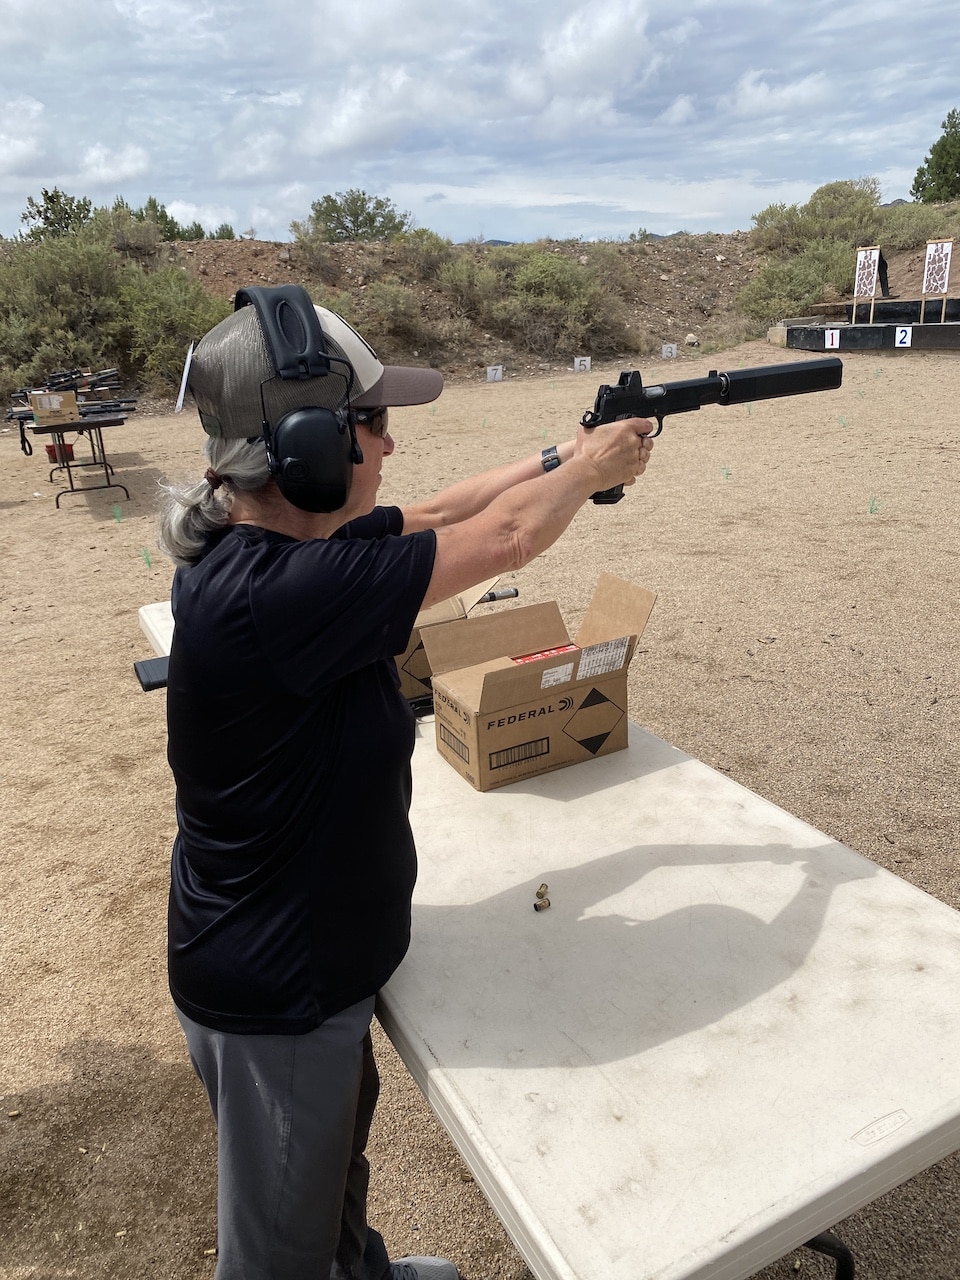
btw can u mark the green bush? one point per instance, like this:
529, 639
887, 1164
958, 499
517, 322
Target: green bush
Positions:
59, 308
164, 311
472, 284
607, 260
910, 226
507, 259
554, 326
541, 297
420, 254
73, 301
797, 287
847, 211
550, 276
393, 311
136, 239
812, 246
316, 260
778, 229
341, 301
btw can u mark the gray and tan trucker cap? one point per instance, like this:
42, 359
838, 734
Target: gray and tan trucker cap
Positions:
232, 362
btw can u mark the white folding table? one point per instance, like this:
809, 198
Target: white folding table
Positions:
726, 1033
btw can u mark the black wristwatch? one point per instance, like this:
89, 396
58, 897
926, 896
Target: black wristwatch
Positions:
550, 458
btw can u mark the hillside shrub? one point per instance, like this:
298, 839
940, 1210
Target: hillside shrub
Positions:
392, 311
812, 247
910, 226
797, 287
609, 259
163, 312
420, 254
75, 302
549, 276
473, 286
316, 260
847, 211
542, 298
59, 308
553, 325
135, 239
341, 301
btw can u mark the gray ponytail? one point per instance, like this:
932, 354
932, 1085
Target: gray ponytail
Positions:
189, 513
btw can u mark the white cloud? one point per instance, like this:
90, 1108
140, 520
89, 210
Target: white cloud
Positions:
20, 143
680, 111
289, 204
210, 217
600, 45
168, 26
754, 96
560, 116
253, 155
101, 166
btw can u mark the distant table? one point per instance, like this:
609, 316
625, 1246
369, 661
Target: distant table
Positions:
725, 1034
91, 425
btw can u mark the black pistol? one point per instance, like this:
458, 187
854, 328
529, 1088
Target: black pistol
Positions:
631, 399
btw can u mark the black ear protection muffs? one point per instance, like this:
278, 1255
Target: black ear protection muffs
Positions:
312, 450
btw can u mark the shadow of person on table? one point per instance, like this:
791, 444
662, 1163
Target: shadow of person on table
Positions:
630, 979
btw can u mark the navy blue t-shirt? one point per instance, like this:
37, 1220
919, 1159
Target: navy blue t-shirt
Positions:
290, 744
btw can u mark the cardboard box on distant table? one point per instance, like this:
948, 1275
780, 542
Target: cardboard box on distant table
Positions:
54, 408
499, 720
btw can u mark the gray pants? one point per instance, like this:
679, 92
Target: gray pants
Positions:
293, 1115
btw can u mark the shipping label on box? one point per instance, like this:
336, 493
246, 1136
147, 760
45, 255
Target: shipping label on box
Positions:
54, 408
500, 720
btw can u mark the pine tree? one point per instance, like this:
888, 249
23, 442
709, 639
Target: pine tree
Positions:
938, 178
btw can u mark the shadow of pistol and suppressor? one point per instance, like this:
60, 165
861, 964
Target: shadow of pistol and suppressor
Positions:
631, 399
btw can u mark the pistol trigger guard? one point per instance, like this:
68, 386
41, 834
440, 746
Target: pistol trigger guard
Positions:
652, 435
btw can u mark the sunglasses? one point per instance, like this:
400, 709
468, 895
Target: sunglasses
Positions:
375, 420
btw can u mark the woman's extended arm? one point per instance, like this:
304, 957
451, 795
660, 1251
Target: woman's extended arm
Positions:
467, 498
528, 516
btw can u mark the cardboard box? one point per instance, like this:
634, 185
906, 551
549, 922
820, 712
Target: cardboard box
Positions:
499, 721
54, 408
412, 663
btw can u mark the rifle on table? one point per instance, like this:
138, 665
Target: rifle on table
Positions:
631, 399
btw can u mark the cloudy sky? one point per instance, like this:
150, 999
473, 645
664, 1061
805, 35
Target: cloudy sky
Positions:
510, 119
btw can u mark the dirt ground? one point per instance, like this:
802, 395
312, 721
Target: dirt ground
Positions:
804, 642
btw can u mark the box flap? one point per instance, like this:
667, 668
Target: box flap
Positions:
442, 611
618, 608
466, 684
457, 606
468, 641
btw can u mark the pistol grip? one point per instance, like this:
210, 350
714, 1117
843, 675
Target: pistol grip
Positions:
606, 497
